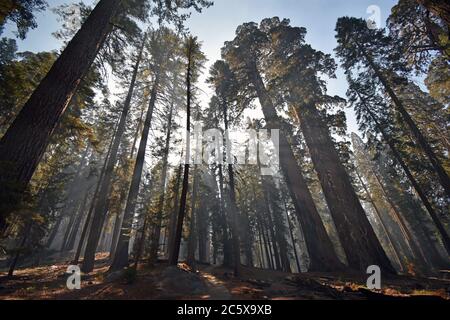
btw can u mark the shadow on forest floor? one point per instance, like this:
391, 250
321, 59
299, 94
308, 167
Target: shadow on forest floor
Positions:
212, 282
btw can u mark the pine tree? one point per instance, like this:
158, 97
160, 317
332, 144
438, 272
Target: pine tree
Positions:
358, 44
242, 54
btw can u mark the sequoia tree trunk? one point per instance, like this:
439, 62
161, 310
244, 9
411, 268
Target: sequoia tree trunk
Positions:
360, 244
320, 248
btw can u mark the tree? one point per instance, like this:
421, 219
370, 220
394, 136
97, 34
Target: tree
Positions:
21, 12
419, 33
22, 146
399, 211
291, 62
194, 61
101, 205
173, 92
439, 7
222, 78
193, 234
242, 55
25, 141
20, 73
358, 44
370, 112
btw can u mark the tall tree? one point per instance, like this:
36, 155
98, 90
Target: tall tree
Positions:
194, 61
121, 256
243, 54
291, 62
420, 33
162, 47
222, 79
23, 145
440, 8
101, 205
369, 109
357, 45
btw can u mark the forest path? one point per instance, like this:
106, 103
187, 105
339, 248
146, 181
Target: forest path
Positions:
216, 287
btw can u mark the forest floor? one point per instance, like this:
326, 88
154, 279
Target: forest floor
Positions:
211, 282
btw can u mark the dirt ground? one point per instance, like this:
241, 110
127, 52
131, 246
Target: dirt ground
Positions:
210, 282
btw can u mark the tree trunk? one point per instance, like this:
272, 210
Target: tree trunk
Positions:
202, 230
123, 193
87, 222
68, 230
22, 146
282, 243
265, 245
268, 211
174, 253
420, 138
192, 240
121, 257
154, 246
76, 226
101, 205
13, 264
391, 242
320, 248
141, 241
247, 236
358, 239
263, 236
74, 198
290, 227
406, 232
173, 216
440, 227
54, 231
233, 210
227, 254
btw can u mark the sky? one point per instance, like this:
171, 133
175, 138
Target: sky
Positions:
218, 23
